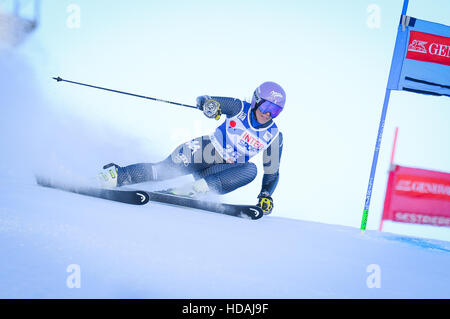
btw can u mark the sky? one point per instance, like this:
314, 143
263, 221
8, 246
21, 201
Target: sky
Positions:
332, 58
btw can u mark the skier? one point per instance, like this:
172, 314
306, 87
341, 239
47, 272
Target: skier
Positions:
220, 161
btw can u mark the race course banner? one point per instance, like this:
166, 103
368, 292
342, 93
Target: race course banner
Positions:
417, 196
420, 64
421, 61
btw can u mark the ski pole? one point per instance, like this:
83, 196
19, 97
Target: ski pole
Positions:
58, 79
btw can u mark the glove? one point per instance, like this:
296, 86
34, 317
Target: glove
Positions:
201, 100
210, 107
265, 202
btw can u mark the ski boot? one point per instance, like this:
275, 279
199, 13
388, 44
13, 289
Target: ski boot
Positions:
108, 176
191, 190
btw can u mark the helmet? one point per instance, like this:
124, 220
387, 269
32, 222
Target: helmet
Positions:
269, 97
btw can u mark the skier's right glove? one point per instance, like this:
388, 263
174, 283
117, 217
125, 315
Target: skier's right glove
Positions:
201, 100
210, 107
265, 202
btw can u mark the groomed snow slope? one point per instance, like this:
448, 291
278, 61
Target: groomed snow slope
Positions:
158, 251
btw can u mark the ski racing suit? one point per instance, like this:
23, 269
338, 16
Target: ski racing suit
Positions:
221, 158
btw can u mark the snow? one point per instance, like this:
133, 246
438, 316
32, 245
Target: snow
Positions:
157, 251
160, 251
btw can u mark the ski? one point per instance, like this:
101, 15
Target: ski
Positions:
134, 197
138, 197
246, 211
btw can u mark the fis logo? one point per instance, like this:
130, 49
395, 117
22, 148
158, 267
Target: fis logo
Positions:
242, 116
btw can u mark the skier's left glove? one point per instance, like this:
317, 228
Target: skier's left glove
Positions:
265, 202
209, 106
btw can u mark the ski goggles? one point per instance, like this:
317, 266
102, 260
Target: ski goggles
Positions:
273, 109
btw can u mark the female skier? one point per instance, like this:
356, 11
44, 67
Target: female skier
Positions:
219, 162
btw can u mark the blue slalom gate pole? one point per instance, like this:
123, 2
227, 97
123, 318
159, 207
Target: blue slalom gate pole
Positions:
405, 6
377, 146
375, 160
